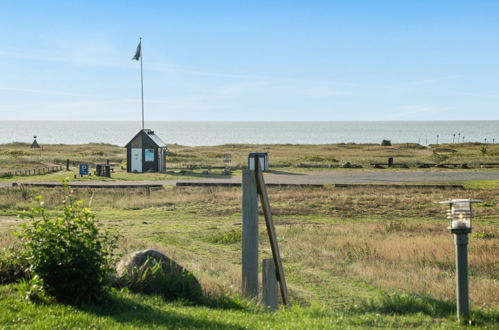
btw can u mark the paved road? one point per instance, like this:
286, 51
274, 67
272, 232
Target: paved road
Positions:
324, 177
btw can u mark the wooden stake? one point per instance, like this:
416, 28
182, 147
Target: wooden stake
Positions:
264, 199
269, 284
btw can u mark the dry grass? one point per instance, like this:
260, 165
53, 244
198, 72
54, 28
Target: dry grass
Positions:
392, 203
416, 258
19, 155
393, 239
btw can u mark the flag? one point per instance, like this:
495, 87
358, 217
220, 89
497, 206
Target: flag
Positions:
138, 52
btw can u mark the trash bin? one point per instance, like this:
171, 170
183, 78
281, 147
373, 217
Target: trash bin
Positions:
98, 170
107, 171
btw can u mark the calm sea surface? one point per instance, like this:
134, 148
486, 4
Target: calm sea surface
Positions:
214, 133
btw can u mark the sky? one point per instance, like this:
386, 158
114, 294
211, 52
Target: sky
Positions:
250, 60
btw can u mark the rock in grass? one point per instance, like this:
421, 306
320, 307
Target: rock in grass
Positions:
152, 272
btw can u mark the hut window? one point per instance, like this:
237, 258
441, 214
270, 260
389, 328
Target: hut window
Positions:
149, 155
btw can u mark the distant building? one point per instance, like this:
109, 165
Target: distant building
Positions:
146, 152
35, 144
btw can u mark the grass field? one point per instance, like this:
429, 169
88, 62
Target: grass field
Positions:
287, 157
353, 257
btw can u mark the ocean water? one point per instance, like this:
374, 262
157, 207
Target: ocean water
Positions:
215, 133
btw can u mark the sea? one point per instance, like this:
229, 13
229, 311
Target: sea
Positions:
206, 133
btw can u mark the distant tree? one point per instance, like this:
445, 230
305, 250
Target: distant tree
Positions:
386, 143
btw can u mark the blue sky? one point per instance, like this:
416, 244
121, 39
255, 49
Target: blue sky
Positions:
250, 60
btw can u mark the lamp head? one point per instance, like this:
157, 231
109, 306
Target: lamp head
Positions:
460, 214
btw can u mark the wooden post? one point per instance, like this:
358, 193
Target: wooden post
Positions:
250, 236
67, 164
267, 212
269, 284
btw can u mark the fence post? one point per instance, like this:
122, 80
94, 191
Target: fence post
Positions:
250, 236
67, 164
269, 284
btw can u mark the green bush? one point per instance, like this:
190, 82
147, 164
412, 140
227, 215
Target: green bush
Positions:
386, 143
69, 254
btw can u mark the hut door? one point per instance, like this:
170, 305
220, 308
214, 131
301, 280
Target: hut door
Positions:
137, 160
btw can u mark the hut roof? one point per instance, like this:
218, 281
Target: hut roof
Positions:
35, 145
149, 134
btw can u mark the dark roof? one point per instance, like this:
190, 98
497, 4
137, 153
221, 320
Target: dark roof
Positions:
259, 154
150, 134
35, 145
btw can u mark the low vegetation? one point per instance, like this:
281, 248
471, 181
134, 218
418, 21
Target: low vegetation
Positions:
354, 257
68, 256
15, 156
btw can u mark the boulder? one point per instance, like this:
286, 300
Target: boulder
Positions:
137, 259
139, 271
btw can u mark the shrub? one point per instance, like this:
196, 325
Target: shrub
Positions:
69, 254
439, 158
386, 143
13, 265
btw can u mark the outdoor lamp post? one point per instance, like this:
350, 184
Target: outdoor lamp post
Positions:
460, 215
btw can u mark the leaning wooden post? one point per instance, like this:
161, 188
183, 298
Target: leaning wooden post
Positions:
250, 236
267, 212
269, 284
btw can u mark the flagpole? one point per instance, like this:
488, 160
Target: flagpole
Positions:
142, 82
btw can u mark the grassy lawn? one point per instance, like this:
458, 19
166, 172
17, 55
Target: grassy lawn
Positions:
353, 257
131, 311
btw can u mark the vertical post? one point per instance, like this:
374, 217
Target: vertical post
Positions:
269, 284
462, 275
250, 236
142, 82
67, 164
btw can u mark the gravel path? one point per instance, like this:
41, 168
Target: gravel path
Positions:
319, 177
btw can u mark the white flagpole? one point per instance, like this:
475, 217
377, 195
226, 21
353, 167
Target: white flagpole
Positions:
142, 82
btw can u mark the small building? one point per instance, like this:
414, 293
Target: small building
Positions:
146, 152
35, 144
263, 157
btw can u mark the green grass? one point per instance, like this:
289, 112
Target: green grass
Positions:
132, 311
488, 184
